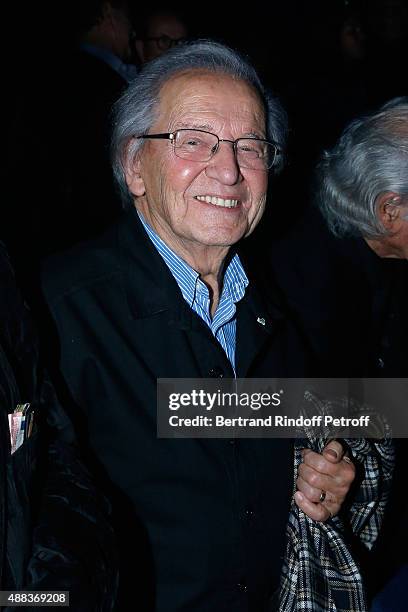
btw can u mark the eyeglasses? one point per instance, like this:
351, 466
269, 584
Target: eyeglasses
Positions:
165, 42
201, 146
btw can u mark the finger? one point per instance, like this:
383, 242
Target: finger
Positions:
314, 495
319, 463
333, 451
311, 493
337, 486
317, 512
343, 473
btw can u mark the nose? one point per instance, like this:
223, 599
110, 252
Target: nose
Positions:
223, 165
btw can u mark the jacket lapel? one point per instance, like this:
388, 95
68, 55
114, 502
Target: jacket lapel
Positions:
149, 286
257, 324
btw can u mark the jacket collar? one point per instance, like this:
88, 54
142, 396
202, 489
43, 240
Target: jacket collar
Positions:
152, 289
149, 285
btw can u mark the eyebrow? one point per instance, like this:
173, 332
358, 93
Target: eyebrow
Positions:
196, 126
209, 128
254, 135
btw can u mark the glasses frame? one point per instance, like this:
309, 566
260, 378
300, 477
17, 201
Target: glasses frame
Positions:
172, 137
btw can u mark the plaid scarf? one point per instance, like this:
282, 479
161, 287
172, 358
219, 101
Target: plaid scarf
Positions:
319, 573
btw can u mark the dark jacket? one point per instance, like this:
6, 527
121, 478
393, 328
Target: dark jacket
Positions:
206, 518
53, 523
350, 303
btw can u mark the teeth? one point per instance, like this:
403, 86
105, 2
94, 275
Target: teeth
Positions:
218, 201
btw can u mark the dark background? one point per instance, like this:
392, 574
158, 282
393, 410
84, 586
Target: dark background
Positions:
295, 45
278, 36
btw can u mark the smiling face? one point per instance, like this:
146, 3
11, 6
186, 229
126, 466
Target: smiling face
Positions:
193, 205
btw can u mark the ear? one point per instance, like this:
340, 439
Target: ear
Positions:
134, 178
389, 210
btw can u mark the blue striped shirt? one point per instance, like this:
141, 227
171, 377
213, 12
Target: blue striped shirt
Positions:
223, 325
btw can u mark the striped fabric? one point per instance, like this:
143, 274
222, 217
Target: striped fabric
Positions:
196, 294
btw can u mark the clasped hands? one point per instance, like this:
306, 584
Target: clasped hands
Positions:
324, 479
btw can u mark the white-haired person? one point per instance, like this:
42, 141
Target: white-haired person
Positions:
363, 195
364, 181
165, 293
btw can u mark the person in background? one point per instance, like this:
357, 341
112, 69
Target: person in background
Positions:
363, 195
348, 290
364, 181
105, 32
54, 529
68, 108
156, 32
96, 76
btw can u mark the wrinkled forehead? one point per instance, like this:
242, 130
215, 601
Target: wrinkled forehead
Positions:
198, 93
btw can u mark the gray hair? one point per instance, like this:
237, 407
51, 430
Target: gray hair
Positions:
370, 158
136, 110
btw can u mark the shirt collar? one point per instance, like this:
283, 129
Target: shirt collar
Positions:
235, 279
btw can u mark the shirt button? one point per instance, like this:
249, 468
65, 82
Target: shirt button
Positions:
242, 587
216, 372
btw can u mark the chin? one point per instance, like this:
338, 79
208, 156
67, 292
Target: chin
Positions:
226, 239
222, 235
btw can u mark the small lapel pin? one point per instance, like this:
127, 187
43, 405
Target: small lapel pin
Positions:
261, 320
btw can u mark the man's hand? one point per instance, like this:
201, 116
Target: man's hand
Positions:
324, 481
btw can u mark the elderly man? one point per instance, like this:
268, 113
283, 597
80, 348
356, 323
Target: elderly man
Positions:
349, 291
364, 195
165, 294
364, 181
